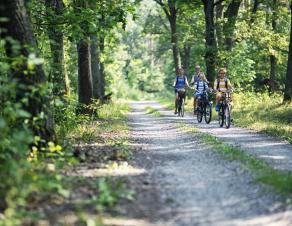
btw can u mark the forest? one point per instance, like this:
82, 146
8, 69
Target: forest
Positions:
70, 68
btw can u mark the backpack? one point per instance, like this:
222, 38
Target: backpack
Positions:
204, 86
177, 79
226, 85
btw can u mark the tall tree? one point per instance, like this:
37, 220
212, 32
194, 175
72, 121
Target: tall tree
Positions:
219, 21
185, 58
55, 10
85, 87
211, 44
171, 10
95, 67
288, 84
19, 28
229, 27
101, 85
273, 59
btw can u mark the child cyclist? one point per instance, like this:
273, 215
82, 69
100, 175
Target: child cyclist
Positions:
221, 86
201, 88
196, 77
180, 83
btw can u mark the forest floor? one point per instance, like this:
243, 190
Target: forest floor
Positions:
181, 179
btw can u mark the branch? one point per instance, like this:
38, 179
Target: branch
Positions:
164, 25
218, 2
159, 2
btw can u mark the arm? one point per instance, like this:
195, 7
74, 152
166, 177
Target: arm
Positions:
215, 85
193, 80
174, 82
229, 85
187, 83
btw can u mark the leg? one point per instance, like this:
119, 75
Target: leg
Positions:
175, 102
218, 99
195, 104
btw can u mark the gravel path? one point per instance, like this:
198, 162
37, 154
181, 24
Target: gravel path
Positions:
186, 183
277, 153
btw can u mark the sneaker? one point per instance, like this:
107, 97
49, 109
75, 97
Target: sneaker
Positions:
175, 112
217, 107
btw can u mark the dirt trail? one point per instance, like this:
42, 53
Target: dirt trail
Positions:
184, 182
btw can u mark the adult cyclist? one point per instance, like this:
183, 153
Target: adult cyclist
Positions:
221, 85
180, 83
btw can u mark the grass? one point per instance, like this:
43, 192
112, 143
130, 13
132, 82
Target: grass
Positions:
263, 113
281, 182
152, 111
110, 128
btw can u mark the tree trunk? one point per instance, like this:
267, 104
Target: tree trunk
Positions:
84, 75
219, 26
273, 59
102, 72
174, 41
170, 11
254, 10
288, 83
229, 27
19, 28
211, 45
57, 47
95, 68
185, 56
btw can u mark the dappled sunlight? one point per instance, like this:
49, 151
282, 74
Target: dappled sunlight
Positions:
120, 221
273, 156
114, 170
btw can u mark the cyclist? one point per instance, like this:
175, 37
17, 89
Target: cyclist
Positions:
196, 77
201, 88
180, 83
221, 85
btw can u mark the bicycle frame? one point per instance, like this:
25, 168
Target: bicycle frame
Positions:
223, 115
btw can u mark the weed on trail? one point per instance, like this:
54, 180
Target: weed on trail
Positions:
281, 182
152, 111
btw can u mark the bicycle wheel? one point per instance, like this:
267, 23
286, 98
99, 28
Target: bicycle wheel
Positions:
227, 116
208, 113
221, 116
179, 107
200, 114
182, 113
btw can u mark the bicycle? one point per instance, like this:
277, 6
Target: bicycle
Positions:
204, 108
181, 102
224, 114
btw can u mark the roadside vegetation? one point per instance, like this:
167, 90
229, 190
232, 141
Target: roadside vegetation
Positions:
65, 66
263, 112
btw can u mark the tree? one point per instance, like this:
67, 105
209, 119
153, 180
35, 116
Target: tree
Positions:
211, 44
273, 59
85, 87
229, 27
288, 84
55, 10
171, 10
30, 81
